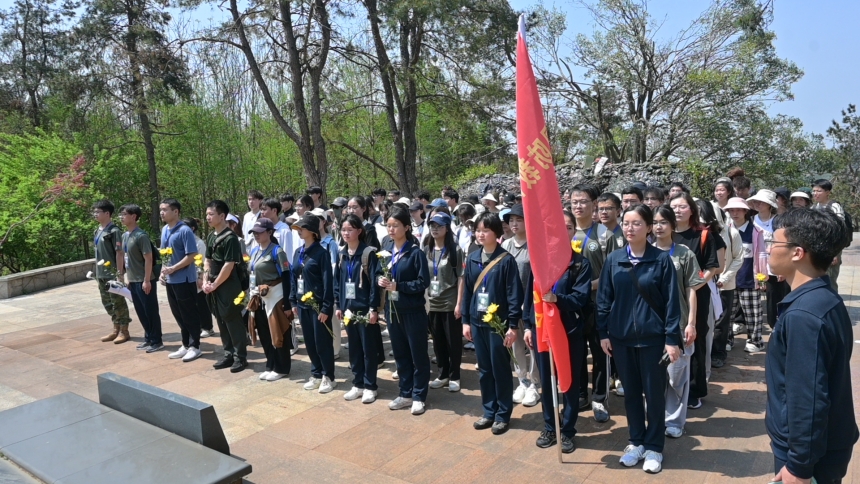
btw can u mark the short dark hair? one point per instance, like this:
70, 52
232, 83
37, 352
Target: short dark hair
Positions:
379, 192
422, 194
492, 222
274, 204
220, 207
609, 197
286, 197
132, 209
655, 192
256, 194
819, 232
822, 184
395, 192
631, 190
104, 206
314, 191
680, 185
172, 203
589, 190
452, 194
741, 182
307, 202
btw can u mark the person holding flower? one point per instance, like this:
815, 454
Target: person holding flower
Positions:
491, 277
268, 282
405, 280
108, 248
638, 314
572, 295
222, 284
357, 297
312, 300
206, 327
752, 275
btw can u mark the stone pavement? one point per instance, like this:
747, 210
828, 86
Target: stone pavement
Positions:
49, 343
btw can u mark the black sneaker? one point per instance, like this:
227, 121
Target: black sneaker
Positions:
238, 366
694, 404
546, 439
225, 362
715, 363
500, 427
155, 347
584, 404
482, 423
142, 346
567, 445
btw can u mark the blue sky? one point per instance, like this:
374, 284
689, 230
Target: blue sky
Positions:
816, 35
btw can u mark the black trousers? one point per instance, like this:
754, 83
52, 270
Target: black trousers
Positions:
591, 339
776, 292
204, 312
318, 342
698, 362
146, 307
182, 298
447, 343
723, 327
576, 347
363, 354
641, 374
277, 359
830, 469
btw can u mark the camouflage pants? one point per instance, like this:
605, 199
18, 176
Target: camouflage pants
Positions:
114, 304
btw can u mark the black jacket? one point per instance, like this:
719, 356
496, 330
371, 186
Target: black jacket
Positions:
503, 285
412, 277
317, 276
367, 291
573, 291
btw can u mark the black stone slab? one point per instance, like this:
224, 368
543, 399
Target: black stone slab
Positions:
168, 460
27, 421
186, 417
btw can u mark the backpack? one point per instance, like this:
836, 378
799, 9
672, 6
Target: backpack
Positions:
365, 260
849, 224
241, 267
275, 248
156, 260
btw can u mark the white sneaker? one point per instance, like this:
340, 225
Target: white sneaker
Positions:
738, 328
384, 333
674, 432
353, 393
178, 353
395, 375
729, 347
454, 386
369, 396
192, 354
274, 376
312, 384
437, 383
204, 333
752, 348
520, 393
653, 462
632, 455
399, 403
264, 375
327, 385
532, 396
337, 356
417, 407
294, 351
619, 389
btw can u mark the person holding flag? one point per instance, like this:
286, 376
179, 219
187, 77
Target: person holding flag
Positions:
572, 295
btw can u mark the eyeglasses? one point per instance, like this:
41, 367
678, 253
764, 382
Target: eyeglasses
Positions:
770, 243
606, 209
579, 203
632, 224
662, 223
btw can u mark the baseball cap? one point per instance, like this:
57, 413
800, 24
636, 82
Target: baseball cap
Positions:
262, 225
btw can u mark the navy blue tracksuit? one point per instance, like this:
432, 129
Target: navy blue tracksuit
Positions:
638, 334
573, 292
363, 346
810, 410
313, 265
407, 321
504, 287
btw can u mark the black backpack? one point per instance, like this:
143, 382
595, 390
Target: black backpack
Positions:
849, 224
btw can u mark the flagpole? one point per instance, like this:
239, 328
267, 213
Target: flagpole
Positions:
555, 406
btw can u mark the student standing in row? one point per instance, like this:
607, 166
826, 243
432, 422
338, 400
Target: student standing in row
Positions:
203, 311
355, 290
638, 314
405, 313
445, 296
223, 285
311, 273
180, 276
140, 261
108, 248
491, 278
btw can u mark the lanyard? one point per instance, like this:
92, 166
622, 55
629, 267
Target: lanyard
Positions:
672, 250
349, 266
260, 254
302, 258
634, 258
436, 262
587, 236
395, 258
481, 267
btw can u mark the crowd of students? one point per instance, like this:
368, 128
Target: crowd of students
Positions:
659, 286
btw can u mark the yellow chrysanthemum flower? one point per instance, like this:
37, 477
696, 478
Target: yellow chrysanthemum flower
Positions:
107, 263
576, 245
307, 296
761, 277
239, 298
198, 257
488, 317
492, 309
246, 258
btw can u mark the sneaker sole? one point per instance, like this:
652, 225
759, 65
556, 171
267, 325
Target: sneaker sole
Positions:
191, 359
151, 350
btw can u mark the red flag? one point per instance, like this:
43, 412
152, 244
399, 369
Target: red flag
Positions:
549, 244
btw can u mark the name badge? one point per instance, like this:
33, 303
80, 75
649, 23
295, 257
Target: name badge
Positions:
350, 290
483, 301
252, 280
300, 286
435, 288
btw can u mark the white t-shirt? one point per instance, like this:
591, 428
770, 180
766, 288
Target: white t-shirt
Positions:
248, 222
765, 227
284, 234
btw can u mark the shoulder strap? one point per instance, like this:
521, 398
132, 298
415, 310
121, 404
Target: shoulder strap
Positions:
487, 270
704, 238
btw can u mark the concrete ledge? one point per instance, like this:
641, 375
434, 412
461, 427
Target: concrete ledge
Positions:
28, 282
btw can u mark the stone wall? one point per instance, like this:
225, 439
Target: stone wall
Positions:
45, 278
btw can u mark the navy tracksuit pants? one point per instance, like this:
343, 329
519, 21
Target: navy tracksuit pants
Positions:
641, 373
571, 397
408, 333
495, 377
319, 343
363, 353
